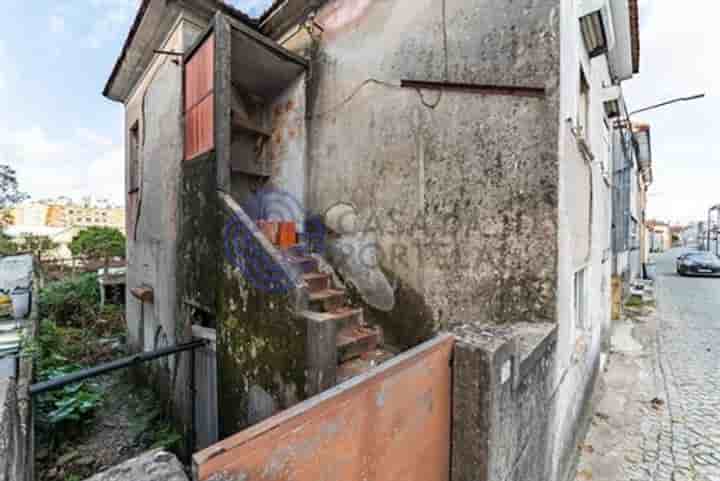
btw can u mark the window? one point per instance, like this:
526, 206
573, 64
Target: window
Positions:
134, 159
583, 114
580, 299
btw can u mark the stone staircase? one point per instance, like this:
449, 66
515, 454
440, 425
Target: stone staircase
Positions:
358, 346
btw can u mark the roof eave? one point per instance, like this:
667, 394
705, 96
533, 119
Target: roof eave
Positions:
137, 22
123, 53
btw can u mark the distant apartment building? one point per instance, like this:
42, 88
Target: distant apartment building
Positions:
63, 215
93, 216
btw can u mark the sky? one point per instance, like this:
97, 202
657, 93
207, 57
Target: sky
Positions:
679, 55
56, 129
64, 138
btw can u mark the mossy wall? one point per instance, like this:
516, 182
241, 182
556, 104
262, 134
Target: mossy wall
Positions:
261, 343
261, 353
199, 256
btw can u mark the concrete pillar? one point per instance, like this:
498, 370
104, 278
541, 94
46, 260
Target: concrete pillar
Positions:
502, 383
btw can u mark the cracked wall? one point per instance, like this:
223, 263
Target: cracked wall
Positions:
460, 188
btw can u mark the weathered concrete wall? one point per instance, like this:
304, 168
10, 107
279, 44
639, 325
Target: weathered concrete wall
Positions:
261, 344
155, 105
13, 449
16, 420
462, 195
502, 400
578, 355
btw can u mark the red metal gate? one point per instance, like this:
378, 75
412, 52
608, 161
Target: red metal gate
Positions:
391, 424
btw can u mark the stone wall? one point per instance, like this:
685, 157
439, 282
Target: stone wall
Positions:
503, 402
155, 106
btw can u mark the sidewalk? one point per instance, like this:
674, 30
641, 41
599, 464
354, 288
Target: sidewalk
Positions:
628, 408
656, 411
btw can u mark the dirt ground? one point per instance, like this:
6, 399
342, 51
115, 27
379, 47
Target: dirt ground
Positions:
128, 422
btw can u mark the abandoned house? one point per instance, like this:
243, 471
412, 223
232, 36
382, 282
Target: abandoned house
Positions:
391, 219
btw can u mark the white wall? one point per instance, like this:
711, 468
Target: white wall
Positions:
579, 349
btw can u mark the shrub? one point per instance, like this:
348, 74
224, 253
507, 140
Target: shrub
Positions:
71, 301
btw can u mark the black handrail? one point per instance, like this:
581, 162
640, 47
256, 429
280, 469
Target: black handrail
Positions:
61, 382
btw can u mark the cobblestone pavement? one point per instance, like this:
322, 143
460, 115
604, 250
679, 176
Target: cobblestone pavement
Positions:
662, 402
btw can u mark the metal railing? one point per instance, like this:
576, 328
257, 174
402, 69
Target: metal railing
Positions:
130, 361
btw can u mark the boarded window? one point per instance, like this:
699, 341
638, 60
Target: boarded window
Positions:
199, 100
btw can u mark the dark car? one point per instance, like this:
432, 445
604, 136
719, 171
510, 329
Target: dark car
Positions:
698, 264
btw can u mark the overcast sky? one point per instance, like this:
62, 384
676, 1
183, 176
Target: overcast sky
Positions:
679, 57
64, 138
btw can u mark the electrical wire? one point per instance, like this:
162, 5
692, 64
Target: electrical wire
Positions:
369, 81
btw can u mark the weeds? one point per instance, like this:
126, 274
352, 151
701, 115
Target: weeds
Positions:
71, 302
63, 413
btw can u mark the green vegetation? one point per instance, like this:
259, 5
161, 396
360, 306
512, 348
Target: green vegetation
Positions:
634, 301
39, 245
98, 242
8, 247
69, 339
62, 414
71, 301
9, 193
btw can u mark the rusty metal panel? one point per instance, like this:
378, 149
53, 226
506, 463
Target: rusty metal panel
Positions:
199, 100
392, 424
199, 128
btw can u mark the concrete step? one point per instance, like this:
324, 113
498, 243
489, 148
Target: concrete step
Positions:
306, 264
342, 318
317, 281
355, 367
328, 300
298, 250
354, 341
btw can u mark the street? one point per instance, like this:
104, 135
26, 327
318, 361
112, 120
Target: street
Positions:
658, 417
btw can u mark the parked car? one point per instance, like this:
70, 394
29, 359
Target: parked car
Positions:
698, 263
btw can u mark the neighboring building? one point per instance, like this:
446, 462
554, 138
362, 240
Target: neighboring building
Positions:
62, 236
661, 239
63, 214
497, 118
632, 178
691, 235
81, 216
32, 214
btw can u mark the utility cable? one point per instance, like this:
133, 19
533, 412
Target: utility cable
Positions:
374, 81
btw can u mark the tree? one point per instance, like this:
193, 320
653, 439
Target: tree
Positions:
9, 193
99, 242
38, 245
8, 246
